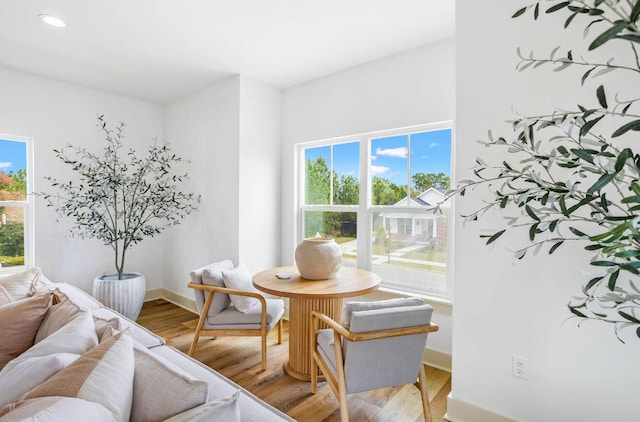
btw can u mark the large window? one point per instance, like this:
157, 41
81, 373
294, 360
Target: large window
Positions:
15, 204
382, 196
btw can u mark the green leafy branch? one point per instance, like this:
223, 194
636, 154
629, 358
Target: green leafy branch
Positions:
571, 176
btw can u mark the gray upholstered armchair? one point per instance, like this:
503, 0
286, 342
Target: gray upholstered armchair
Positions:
229, 306
376, 346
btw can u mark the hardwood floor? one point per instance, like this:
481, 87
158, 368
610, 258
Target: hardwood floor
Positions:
238, 358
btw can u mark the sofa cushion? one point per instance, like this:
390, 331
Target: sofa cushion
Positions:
232, 318
156, 377
239, 278
350, 307
19, 323
219, 410
47, 357
5, 296
22, 285
108, 367
211, 275
55, 408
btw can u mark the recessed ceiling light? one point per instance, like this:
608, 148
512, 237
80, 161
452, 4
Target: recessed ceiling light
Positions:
53, 21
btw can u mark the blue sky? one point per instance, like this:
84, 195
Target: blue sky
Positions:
430, 153
13, 155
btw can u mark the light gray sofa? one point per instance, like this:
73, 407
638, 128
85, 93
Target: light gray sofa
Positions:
183, 394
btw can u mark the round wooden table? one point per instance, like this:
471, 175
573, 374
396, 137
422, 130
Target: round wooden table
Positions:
311, 295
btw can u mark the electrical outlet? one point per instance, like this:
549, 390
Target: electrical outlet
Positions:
520, 367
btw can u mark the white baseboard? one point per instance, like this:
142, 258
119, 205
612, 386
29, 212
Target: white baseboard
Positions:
437, 359
460, 411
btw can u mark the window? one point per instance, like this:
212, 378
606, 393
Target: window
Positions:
382, 196
15, 204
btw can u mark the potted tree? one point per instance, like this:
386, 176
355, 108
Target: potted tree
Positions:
120, 199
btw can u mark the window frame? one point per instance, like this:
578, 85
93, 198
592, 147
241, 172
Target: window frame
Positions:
365, 211
27, 205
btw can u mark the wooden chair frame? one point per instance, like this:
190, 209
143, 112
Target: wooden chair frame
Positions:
338, 386
262, 332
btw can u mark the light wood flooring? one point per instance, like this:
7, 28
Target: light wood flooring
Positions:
238, 358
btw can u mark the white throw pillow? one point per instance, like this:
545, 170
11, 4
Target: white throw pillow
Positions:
56, 408
47, 357
226, 410
240, 279
23, 284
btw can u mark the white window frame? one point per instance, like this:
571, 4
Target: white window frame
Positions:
365, 210
29, 216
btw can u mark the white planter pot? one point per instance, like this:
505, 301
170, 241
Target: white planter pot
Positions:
318, 258
124, 296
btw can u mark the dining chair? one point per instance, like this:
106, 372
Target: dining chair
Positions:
373, 348
233, 311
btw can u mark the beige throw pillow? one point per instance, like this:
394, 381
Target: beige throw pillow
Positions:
103, 375
5, 296
47, 357
22, 285
57, 316
157, 377
240, 279
19, 323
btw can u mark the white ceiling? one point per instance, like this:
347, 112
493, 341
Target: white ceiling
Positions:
159, 50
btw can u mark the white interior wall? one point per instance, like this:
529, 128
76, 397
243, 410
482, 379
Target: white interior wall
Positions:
231, 132
259, 202
205, 129
502, 307
54, 114
407, 89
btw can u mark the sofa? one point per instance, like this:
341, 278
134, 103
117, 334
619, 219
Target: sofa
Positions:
64, 356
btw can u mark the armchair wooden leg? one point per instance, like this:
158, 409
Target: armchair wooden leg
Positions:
203, 316
280, 331
422, 377
264, 349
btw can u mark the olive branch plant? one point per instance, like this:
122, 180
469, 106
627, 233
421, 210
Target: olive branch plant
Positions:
118, 197
569, 176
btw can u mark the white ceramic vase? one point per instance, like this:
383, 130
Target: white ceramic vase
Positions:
125, 296
318, 258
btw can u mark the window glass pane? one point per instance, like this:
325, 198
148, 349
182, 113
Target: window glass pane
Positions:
346, 170
342, 226
11, 236
317, 175
13, 170
409, 250
430, 165
389, 157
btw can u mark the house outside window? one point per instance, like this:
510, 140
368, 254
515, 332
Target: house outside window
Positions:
382, 196
16, 219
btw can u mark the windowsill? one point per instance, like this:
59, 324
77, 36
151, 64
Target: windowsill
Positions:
429, 298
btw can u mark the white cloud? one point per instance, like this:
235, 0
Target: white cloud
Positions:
433, 144
374, 157
4, 165
393, 152
376, 170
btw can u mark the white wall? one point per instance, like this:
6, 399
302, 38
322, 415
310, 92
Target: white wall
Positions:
407, 89
231, 132
260, 150
54, 114
504, 307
